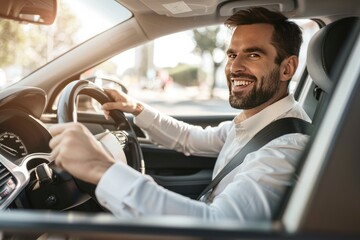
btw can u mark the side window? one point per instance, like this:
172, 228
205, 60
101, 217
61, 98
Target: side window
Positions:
309, 28
182, 73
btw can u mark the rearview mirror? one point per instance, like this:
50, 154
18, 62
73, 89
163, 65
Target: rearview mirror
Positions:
30, 11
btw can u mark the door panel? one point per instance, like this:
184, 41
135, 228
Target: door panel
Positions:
186, 175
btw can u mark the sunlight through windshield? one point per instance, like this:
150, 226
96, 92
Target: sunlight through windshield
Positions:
26, 47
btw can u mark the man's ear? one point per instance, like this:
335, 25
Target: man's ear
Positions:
288, 68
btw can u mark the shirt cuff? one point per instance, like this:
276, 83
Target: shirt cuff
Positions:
114, 185
146, 118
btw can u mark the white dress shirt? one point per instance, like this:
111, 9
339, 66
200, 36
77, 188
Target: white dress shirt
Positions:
252, 191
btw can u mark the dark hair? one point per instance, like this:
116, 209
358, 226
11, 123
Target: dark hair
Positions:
287, 36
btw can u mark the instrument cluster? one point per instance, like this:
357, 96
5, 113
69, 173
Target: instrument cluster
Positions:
21, 134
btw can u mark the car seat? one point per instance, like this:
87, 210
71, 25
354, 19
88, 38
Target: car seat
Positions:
327, 46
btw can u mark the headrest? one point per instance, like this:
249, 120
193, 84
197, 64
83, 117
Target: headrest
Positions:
325, 48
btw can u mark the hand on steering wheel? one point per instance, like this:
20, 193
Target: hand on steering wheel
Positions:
77, 138
67, 112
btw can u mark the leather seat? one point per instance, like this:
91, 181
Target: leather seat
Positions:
325, 48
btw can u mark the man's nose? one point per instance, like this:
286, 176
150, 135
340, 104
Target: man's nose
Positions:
237, 65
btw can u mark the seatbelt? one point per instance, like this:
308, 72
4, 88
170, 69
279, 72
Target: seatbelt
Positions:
274, 130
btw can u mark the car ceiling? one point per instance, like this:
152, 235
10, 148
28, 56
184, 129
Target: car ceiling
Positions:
158, 16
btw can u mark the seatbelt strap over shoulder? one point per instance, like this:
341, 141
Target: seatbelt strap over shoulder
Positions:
274, 130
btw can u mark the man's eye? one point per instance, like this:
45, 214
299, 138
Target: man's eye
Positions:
232, 56
254, 56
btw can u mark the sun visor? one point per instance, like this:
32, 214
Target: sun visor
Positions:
185, 8
229, 8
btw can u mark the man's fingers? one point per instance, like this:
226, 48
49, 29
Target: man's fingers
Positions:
58, 128
54, 154
114, 106
121, 101
113, 94
106, 114
54, 141
59, 133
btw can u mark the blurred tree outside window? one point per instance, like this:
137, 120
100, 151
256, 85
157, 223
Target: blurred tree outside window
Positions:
27, 47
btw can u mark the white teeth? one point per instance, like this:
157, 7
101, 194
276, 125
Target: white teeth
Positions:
241, 83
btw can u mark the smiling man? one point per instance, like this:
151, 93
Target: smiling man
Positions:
262, 58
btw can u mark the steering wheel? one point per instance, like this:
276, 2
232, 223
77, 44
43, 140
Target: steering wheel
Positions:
67, 112
124, 133
35, 182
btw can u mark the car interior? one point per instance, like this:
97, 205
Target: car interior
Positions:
323, 203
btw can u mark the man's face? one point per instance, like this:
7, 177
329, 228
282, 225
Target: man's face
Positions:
253, 77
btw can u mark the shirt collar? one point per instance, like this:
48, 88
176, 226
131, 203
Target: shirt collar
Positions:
258, 121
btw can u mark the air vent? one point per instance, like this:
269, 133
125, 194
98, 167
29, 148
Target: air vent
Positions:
7, 183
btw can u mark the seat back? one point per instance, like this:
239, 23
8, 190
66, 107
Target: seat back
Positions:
326, 46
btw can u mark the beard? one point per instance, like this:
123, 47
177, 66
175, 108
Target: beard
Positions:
259, 94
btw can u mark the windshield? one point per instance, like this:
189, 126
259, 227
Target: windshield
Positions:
27, 47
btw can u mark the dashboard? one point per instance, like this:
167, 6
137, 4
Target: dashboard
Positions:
24, 140
29, 179
21, 134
